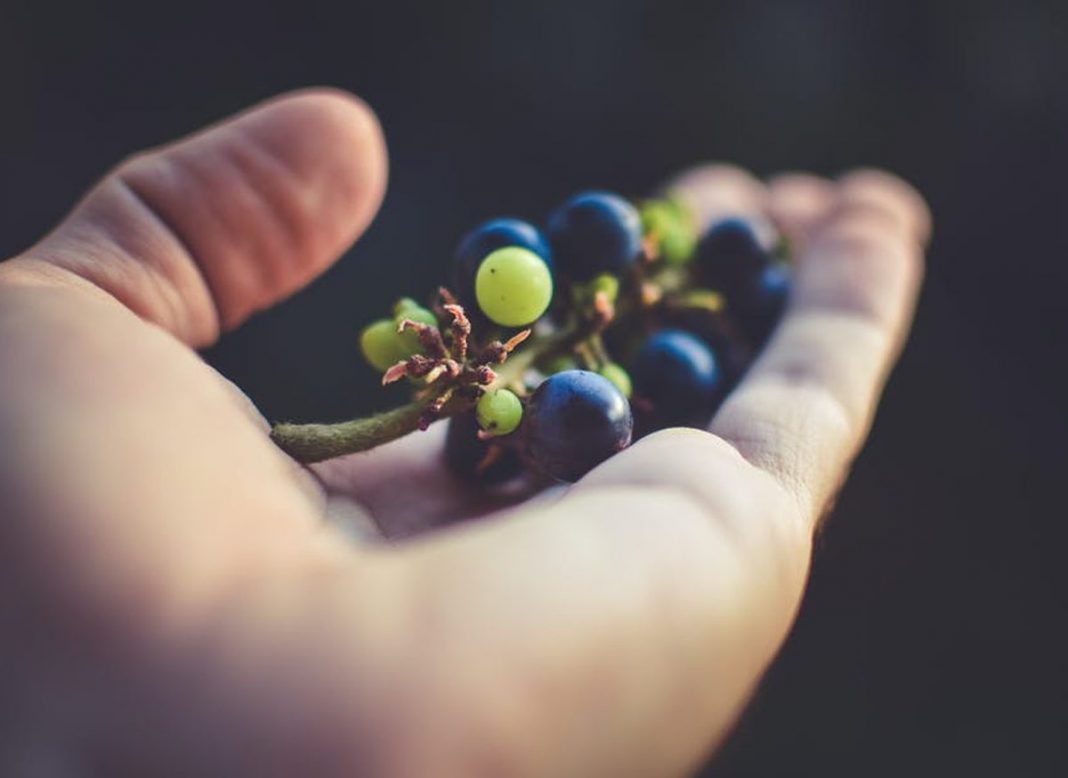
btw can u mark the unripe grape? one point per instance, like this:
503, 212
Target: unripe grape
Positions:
559, 364
499, 412
673, 228
410, 338
402, 305
482, 241
618, 376
469, 457
607, 284
381, 344
513, 286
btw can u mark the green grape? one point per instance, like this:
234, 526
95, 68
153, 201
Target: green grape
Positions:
702, 299
410, 338
559, 364
607, 283
402, 305
499, 412
673, 229
583, 294
513, 286
618, 376
417, 313
381, 345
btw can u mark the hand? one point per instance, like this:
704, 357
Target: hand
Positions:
172, 602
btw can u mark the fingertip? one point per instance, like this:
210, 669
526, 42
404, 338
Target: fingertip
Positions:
716, 190
332, 140
797, 202
880, 189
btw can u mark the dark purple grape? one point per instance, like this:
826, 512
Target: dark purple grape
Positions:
731, 254
733, 259
721, 334
483, 241
594, 233
466, 455
679, 377
758, 305
574, 421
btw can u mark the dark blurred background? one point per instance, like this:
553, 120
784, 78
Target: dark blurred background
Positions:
931, 642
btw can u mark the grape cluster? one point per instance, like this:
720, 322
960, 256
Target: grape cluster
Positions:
553, 350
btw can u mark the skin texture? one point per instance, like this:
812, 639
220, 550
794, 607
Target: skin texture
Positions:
172, 601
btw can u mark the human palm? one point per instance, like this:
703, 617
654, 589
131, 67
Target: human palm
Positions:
173, 602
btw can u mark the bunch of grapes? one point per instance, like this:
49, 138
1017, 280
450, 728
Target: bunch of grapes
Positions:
551, 351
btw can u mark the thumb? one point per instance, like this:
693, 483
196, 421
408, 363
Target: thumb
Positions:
198, 235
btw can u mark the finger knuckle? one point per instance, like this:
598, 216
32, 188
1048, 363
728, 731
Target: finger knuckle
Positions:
862, 272
860, 229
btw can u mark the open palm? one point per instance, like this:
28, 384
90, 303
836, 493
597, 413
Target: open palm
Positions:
172, 601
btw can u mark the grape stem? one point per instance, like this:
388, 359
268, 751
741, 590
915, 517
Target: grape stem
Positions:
308, 443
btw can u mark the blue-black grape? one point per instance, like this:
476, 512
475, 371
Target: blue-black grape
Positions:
731, 254
679, 376
574, 421
758, 305
483, 241
466, 455
593, 233
733, 259
722, 334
